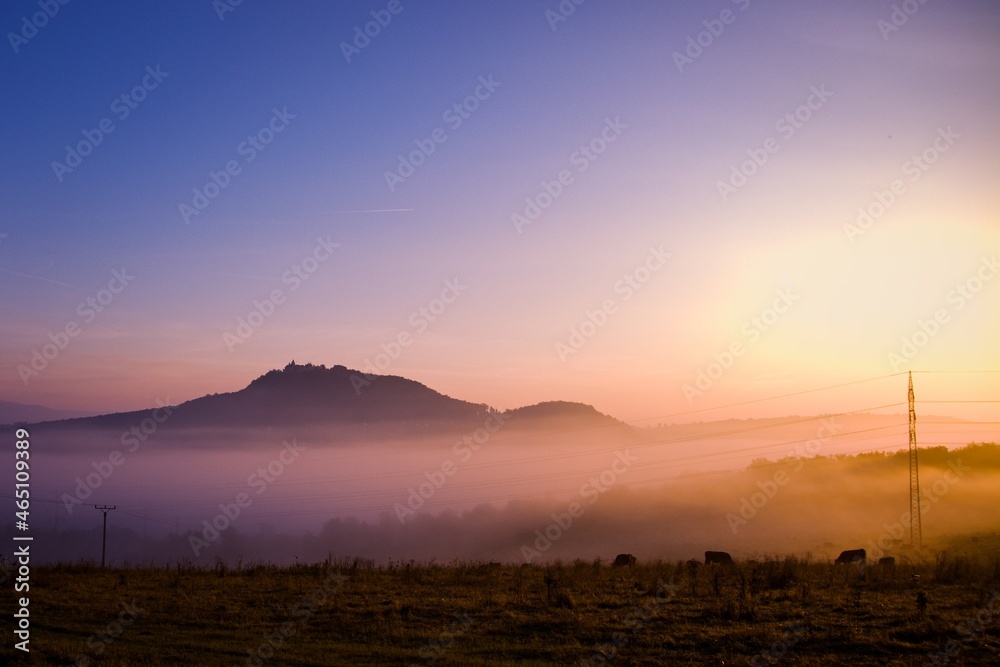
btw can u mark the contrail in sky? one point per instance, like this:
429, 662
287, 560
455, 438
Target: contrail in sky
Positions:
48, 280
378, 210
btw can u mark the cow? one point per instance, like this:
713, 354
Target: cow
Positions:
718, 558
624, 560
851, 556
887, 562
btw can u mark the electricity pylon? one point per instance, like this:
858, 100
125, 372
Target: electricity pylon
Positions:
916, 532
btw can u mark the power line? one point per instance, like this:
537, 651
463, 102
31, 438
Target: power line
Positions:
659, 464
770, 398
328, 511
553, 457
957, 372
147, 518
958, 401
354, 495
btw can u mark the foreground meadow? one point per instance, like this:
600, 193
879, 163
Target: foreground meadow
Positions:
770, 611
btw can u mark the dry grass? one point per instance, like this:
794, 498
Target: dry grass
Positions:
353, 613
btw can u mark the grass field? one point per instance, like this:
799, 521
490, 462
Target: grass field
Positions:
771, 611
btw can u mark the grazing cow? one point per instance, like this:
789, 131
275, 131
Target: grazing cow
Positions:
718, 558
624, 560
851, 556
887, 561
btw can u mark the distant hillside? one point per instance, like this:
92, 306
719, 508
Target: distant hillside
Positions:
309, 395
19, 413
579, 414
341, 405
980, 455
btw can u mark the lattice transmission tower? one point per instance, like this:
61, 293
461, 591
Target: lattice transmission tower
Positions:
916, 532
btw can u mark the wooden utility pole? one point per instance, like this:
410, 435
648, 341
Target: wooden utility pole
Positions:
104, 542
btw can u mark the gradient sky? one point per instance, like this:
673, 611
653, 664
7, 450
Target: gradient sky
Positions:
857, 294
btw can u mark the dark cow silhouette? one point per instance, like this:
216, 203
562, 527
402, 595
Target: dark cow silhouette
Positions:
887, 561
851, 556
718, 558
624, 560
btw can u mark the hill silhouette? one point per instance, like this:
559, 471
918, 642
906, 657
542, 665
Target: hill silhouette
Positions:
353, 403
306, 394
550, 414
338, 405
11, 412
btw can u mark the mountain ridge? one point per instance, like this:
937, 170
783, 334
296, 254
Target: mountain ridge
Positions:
336, 396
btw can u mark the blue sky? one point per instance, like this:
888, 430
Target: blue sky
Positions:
656, 184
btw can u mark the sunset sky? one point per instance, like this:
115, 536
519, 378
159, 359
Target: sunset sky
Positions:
698, 171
